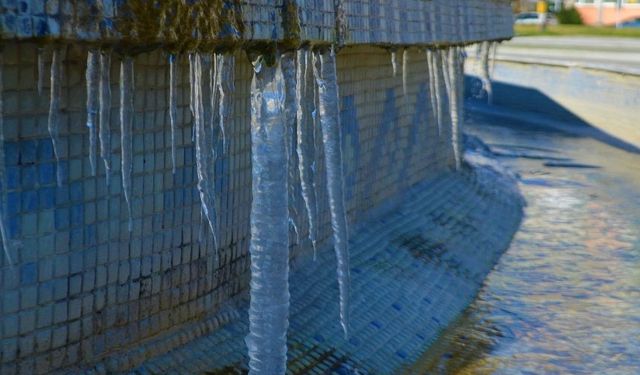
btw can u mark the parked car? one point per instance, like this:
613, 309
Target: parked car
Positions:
630, 24
533, 18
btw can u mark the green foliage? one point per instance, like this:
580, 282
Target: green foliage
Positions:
569, 16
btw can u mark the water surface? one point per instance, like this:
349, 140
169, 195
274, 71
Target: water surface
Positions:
565, 298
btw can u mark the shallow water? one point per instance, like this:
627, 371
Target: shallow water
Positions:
565, 298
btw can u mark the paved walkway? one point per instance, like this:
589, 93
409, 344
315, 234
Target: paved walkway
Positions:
603, 53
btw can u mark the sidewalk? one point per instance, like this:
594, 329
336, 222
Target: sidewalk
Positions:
620, 55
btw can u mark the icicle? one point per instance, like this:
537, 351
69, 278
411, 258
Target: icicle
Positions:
105, 112
394, 62
226, 88
288, 63
439, 92
405, 60
92, 78
54, 111
40, 83
269, 246
454, 97
326, 78
485, 75
305, 139
173, 107
432, 87
126, 130
204, 138
3, 183
192, 88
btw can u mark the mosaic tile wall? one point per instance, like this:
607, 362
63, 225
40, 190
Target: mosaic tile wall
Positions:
367, 21
82, 288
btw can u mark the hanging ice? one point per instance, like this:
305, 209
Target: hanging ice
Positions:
192, 88
173, 107
204, 143
405, 60
105, 112
40, 82
54, 111
269, 246
288, 65
3, 229
454, 101
438, 90
394, 62
305, 138
326, 78
92, 76
226, 88
485, 73
126, 131
432, 87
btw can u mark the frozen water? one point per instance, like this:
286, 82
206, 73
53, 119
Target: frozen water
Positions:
269, 246
126, 131
92, 77
326, 79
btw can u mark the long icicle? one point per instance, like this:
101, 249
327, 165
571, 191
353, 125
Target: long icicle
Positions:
126, 131
92, 77
454, 97
305, 139
203, 109
326, 78
432, 88
226, 88
485, 73
269, 245
105, 113
439, 92
288, 62
54, 110
40, 83
173, 107
3, 183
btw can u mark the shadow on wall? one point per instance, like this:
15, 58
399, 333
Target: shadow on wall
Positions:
535, 108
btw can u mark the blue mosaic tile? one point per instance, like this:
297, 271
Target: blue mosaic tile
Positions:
29, 273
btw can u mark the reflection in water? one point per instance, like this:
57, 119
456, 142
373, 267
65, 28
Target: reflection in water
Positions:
565, 298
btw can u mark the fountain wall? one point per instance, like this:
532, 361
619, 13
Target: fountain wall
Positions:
82, 289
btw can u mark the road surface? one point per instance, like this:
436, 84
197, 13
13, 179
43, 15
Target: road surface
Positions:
604, 53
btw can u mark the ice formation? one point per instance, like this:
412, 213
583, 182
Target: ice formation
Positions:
126, 131
329, 111
40, 62
485, 73
288, 66
225, 67
394, 62
54, 110
202, 105
3, 229
92, 76
173, 107
105, 112
305, 108
269, 246
405, 61
453, 71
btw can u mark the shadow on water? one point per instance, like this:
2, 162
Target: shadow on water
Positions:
564, 297
542, 112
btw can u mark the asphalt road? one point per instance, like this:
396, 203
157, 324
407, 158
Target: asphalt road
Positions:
605, 53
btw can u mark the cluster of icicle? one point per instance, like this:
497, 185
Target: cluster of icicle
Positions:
306, 81
446, 87
211, 79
